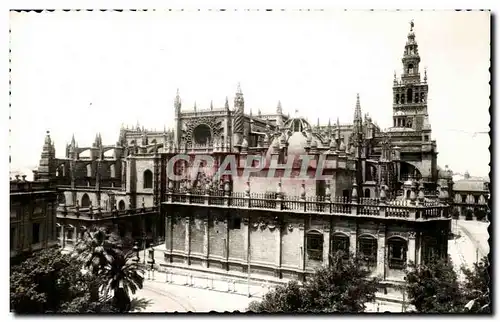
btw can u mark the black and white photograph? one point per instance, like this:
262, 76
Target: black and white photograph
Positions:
263, 161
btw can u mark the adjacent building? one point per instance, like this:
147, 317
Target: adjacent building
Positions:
471, 196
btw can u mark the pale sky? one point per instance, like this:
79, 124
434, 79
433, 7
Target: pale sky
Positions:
129, 65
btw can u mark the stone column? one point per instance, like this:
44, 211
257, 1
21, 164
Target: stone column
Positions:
302, 250
168, 233
246, 239
381, 251
353, 241
277, 234
204, 263
326, 246
75, 235
411, 248
187, 243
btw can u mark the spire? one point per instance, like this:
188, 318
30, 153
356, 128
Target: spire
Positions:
194, 106
279, 110
177, 102
211, 105
411, 58
357, 111
226, 105
425, 75
238, 89
239, 102
73, 142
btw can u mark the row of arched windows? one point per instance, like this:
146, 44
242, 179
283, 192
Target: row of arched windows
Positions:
367, 248
410, 97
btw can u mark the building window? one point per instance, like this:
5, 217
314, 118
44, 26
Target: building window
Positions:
112, 171
85, 201
89, 170
235, 223
464, 198
315, 246
410, 95
121, 205
476, 199
70, 234
426, 138
12, 238
367, 193
340, 243
148, 179
397, 253
36, 233
367, 250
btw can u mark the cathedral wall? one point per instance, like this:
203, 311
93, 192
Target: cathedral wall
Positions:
178, 232
92, 197
343, 181
292, 241
217, 233
141, 165
262, 240
197, 233
237, 236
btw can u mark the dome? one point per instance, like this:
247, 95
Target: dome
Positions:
297, 125
297, 143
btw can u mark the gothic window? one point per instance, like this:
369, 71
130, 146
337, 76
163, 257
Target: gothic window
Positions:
121, 205
148, 179
202, 134
426, 138
397, 252
431, 250
396, 99
340, 243
409, 123
367, 249
408, 193
89, 170
112, 171
402, 98
85, 201
410, 95
314, 244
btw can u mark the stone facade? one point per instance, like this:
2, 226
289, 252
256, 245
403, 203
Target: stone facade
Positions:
32, 216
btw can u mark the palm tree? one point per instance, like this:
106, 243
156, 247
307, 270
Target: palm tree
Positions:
96, 250
124, 275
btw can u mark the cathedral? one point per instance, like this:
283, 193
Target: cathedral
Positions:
381, 194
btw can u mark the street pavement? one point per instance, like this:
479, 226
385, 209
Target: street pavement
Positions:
195, 294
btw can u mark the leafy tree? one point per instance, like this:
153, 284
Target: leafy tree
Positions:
50, 281
476, 287
344, 286
433, 287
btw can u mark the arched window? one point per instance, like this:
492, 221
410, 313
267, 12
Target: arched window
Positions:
464, 198
85, 201
314, 244
89, 170
153, 141
340, 243
408, 193
112, 171
148, 179
417, 97
402, 98
367, 193
409, 95
70, 230
410, 69
367, 249
397, 252
121, 205
202, 134
396, 100
61, 200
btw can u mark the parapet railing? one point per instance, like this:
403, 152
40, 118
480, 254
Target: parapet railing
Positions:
97, 213
400, 209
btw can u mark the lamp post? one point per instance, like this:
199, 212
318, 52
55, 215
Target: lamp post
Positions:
144, 237
151, 261
136, 251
